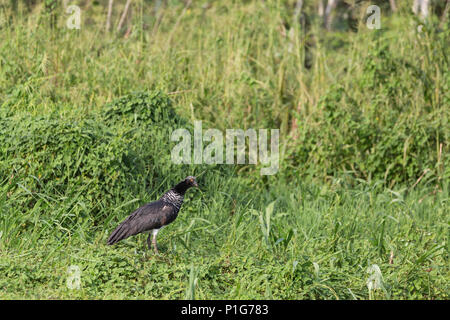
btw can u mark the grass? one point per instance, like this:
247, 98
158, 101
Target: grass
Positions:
319, 244
361, 199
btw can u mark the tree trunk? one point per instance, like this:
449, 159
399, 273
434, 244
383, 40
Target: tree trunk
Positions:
331, 5
424, 9
298, 8
445, 13
124, 15
321, 9
108, 18
393, 5
422, 6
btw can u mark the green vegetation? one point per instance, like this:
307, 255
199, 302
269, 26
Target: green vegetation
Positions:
85, 121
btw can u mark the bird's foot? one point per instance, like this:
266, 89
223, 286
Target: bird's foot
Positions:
155, 248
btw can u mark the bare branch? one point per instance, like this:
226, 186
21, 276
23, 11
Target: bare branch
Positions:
124, 15
108, 18
393, 5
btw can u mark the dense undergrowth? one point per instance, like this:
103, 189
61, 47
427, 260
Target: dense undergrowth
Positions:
86, 119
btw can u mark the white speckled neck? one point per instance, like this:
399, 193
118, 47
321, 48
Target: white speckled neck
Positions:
174, 198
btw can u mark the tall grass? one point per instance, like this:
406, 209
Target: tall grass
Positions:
358, 210
269, 71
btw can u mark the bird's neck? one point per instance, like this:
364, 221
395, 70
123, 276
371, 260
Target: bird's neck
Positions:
181, 188
173, 197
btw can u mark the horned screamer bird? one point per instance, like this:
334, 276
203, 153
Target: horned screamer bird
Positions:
152, 216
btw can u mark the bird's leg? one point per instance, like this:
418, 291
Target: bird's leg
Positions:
149, 241
155, 247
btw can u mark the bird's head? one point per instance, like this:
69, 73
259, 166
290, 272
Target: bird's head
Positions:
191, 182
185, 184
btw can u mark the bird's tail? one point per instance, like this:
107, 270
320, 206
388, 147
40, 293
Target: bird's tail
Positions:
120, 233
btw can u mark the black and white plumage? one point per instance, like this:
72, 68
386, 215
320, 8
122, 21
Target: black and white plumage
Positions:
154, 215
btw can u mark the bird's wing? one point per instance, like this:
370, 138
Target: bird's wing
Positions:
150, 216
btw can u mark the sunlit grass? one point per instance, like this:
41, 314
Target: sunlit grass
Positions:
327, 226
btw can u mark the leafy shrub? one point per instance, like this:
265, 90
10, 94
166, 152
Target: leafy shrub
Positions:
54, 155
392, 145
101, 160
386, 119
142, 107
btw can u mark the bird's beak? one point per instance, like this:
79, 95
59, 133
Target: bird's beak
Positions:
195, 184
